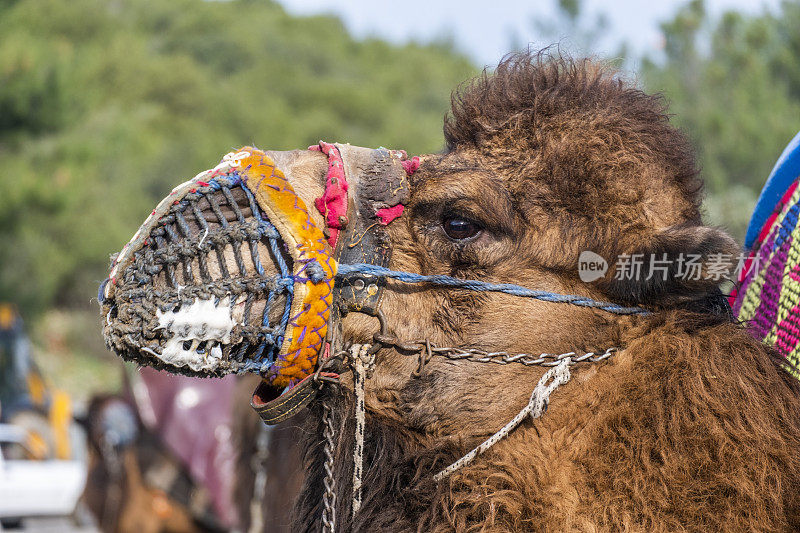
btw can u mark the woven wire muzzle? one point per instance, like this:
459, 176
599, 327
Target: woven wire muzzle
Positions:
209, 289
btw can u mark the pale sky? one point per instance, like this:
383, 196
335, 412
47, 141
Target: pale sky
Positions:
484, 28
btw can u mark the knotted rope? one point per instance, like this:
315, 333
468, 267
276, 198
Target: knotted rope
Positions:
551, 380
362, 364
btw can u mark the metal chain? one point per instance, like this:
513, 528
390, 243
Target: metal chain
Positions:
426, 351
361, 358
329, 497
504, 358
259, 466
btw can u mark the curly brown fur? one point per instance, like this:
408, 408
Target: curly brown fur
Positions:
694, 426
394, 463
591, 158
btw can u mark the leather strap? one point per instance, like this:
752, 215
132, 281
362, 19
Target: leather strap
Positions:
377, 180
274, 407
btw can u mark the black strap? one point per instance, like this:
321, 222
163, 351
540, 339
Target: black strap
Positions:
274, 407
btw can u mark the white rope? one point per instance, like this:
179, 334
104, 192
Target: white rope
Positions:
551, 380
362, 363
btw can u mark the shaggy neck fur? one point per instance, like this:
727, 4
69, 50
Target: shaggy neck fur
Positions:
693, 427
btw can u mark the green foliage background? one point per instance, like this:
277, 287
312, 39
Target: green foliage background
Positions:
734, 86
106, 104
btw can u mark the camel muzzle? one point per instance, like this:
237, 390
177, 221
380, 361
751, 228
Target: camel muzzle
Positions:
230, 273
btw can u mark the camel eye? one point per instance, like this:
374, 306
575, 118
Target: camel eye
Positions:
458, 228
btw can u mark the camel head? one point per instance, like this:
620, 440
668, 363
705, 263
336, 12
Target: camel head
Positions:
546, 159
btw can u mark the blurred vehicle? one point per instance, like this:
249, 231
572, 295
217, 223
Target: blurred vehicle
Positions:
42, 465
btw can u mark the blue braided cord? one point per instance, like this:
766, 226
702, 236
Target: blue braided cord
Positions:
101, 292
265, 229
483, 286
273, 243
229, 180
270, 338
242, 349
214, 184
251, 365
286, 281
275, 339
268, 230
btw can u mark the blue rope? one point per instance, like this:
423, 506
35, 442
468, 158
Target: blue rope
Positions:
276, 339
484, 286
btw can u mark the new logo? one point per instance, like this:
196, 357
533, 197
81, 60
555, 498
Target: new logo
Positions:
591, 266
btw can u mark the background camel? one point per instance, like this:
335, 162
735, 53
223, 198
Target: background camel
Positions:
134, 484
138, 484
279, 464
691, 426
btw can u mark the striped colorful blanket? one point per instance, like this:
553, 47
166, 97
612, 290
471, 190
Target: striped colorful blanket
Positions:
768, 296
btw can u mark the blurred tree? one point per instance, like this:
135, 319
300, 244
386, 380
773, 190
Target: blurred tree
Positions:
572, 26
104, 106
734, 85
784, 59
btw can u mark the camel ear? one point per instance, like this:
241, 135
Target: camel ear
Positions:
678, 264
